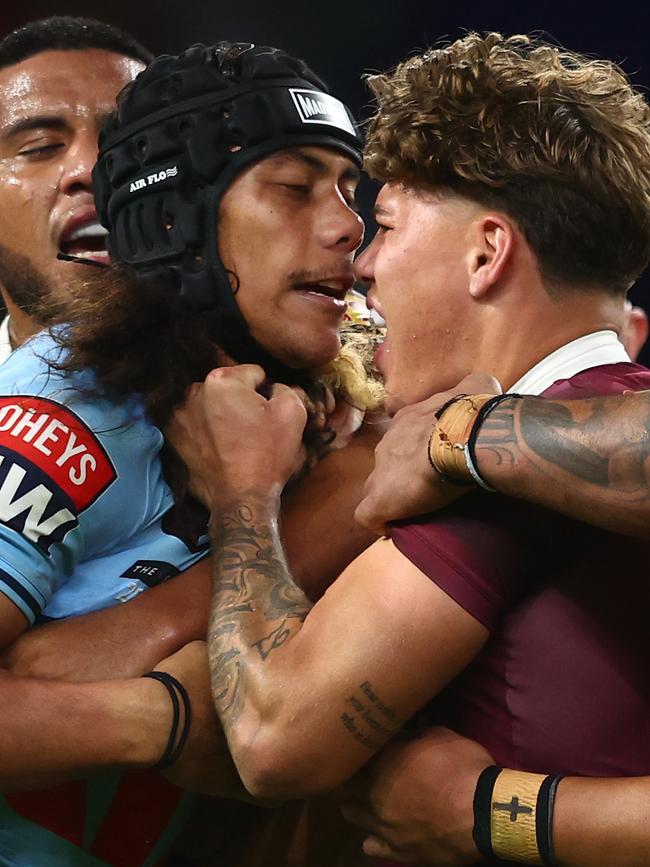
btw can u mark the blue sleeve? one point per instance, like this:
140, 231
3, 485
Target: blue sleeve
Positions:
61, 454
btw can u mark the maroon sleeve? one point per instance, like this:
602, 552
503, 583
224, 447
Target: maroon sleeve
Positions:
481, 553
488, 551
599, 381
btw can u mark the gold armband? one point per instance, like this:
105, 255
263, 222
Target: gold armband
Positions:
450, 436
513, 816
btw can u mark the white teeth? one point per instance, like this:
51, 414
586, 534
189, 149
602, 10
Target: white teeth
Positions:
333, 289
89, 230
338, 301
92, 255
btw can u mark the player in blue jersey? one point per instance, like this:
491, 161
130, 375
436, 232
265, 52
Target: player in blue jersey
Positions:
85, 511
59, 466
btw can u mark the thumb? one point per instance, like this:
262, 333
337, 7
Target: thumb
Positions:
375, 847
365, 515
289, 398
251, 375
479, 383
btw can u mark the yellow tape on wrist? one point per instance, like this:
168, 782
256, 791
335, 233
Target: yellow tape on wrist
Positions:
513, 816
450, 436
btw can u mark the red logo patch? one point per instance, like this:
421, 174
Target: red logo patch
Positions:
59, 443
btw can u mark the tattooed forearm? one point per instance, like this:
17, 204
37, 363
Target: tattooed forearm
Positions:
556, 452
368, 719
256, 606
552, 432
540, 428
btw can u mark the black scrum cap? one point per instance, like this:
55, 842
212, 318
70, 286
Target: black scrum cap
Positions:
181, 132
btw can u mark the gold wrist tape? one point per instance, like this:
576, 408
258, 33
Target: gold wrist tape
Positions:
450, 436
513, 815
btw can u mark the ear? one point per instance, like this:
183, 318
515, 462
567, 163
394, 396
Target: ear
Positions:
635, 330
493, 242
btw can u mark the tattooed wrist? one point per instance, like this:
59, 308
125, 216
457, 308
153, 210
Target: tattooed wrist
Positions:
225, 499
258, 504
496, 449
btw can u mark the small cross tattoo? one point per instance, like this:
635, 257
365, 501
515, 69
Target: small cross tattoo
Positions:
513, 808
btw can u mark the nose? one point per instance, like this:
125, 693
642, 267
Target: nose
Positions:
364, 265
78, 164
341, 227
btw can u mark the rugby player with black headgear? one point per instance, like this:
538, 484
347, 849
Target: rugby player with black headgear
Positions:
206, 156
226, 179
261, 149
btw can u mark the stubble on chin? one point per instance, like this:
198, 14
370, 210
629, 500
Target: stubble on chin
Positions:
27, 287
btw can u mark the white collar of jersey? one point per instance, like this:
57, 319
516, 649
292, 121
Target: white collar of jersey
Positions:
5, 340
592, 350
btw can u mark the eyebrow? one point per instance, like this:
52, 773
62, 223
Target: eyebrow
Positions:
378, 211
25, 124
313, 162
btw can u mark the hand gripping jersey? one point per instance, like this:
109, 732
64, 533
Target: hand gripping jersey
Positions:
84, 510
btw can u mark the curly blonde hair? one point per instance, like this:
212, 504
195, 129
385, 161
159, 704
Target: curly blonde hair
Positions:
352, 373
558, 141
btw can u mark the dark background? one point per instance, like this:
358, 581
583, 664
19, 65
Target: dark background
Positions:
342, 40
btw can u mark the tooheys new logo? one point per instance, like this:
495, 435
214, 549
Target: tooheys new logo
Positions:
52, 467
313, 106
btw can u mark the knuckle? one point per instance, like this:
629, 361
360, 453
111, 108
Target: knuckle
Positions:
193, 393
251, 369
218, 374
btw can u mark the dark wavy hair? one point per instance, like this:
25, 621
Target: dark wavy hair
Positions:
134, 334
138, 338
558, 141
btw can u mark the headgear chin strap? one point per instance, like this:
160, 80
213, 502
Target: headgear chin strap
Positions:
181, 133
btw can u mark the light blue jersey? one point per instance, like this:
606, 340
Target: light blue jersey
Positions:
82, 495
86, 521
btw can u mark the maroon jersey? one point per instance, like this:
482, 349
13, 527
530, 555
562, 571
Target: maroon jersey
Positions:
562, 684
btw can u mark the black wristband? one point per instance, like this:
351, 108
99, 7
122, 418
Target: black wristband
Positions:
544, 819
438, 413
481, 832
175, 742
482, 414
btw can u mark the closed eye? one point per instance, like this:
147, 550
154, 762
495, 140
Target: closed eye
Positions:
41, 150
351, 202
301, 189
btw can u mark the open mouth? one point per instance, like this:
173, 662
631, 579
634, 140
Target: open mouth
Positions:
330, 293
86, 241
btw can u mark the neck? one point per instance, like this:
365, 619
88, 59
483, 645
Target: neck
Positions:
21, 325
517, 337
